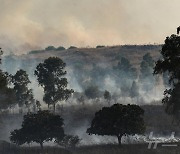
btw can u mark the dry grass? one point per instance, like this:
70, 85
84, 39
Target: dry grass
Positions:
97, 149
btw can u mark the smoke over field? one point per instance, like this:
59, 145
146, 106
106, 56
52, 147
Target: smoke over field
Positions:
117, 69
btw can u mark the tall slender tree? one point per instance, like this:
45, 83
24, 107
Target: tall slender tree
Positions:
7, 94
24, 95
50, 75
146, 72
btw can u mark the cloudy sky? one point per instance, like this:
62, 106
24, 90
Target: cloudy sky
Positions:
35, 24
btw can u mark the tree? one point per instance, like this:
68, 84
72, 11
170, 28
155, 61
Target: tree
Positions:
118, 120
146, 72
24, 95
92, 92
8, 98
134, 91
107, 96
171, 101
50, 76
7, 94
170, 64
50, 48
39, 127
72, 47
170, 61
60, 48
126, 73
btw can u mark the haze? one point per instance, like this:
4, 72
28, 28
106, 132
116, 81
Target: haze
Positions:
36, 24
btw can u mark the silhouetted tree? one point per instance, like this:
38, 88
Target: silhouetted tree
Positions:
60, 48
92, 92
72, 47
50, 48
146, 72
134, 91
118, 120
171, 101
50, 76
107, 96
8, 98
24, 95
170, 64
36, 106
39, 127
170, 61
126, 73
7, 94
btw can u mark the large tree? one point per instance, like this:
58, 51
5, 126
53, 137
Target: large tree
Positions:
24, 95
7, 94
118, 120
170, 64
170, 61
50, 75
39, 127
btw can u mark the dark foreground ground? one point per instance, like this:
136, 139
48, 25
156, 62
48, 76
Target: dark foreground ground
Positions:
96, 149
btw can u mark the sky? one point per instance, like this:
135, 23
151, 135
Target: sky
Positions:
35, 24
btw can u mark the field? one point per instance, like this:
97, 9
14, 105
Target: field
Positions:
96, 149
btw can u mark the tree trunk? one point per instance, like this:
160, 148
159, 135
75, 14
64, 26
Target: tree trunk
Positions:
119, 138
41, 144
54, 107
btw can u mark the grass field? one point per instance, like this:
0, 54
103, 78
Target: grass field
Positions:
95, 149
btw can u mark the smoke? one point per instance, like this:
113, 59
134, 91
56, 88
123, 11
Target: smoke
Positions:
32, 24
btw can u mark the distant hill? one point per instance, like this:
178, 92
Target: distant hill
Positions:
108, 56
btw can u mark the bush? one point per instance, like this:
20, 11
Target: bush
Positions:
50, 48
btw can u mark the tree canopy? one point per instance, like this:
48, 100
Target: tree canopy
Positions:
126, 73
146, 72
50, 76
170, 61
39, 127
7, 98
170, 65
134, 91
24, 95
118, 120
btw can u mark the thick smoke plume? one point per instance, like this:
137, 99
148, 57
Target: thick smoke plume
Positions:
32, 24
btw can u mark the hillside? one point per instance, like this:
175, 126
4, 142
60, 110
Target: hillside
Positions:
87, 56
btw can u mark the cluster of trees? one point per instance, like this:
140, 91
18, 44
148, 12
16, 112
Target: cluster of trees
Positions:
50, 75
41, 127
124, 75
116, 120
